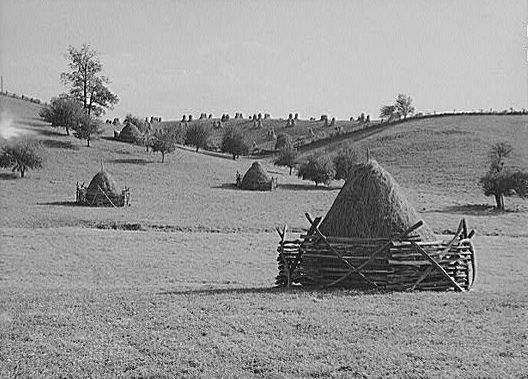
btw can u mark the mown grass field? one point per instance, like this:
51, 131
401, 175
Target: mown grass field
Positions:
190, 294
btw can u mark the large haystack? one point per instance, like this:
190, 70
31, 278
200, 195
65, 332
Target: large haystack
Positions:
130, 133
101, 183
371, 205
256, 178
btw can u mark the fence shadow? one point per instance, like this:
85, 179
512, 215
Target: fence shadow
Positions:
62, 203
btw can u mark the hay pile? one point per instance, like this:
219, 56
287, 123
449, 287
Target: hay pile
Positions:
256, 178
105, 182
130, 133
371, 205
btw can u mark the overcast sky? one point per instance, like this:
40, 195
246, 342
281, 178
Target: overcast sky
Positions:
166, 58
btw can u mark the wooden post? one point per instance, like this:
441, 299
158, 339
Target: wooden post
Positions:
282, 235
445, 251
437, 266
106, 196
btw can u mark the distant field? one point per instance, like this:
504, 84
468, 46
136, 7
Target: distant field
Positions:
190, 293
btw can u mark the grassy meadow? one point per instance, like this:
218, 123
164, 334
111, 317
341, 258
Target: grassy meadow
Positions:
190, 293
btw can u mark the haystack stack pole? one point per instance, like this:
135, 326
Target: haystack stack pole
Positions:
437, 266
379, 250
441, 255
103, 192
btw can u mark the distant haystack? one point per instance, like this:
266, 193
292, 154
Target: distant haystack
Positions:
130, 133
371, 205
256, 178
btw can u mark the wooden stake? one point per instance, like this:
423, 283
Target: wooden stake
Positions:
437, 266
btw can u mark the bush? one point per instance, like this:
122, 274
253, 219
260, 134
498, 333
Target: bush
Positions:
287, 157
22, 156
344, 161
233, 142
197, 136
63, 112
319, 169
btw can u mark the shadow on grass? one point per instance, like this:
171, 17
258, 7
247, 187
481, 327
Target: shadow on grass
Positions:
139, 161
9, 176
306, 187
62, 203
473, 210
59, 144
48, 132
318, 293
229, 186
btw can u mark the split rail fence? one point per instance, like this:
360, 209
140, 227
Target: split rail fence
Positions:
402, 262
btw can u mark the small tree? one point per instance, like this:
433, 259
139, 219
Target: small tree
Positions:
386, 111
62, 111
22, 156
197, 135
164, 141
404, 105
233, 142
501, 181
88, 128
287, 157
344, 161
319, 169
283, 140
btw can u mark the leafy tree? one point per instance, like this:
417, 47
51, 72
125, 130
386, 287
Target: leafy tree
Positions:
287, 157
88, 128
86, 82
344, 161
233, 142
62, 111
319, 169
197, 135
386, 111
139, 123
283, 140
501, 181
22, 156
164, 141
404, 105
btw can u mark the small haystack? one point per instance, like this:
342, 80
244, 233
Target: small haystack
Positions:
130, 133
103, 191
371, 205
257, 178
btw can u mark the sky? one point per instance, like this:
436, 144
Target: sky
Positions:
337, 57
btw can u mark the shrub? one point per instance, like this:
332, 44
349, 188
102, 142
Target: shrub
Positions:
233, 142
22, 156
287, 157
197, 136
63, 112
319, 169
344, 161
